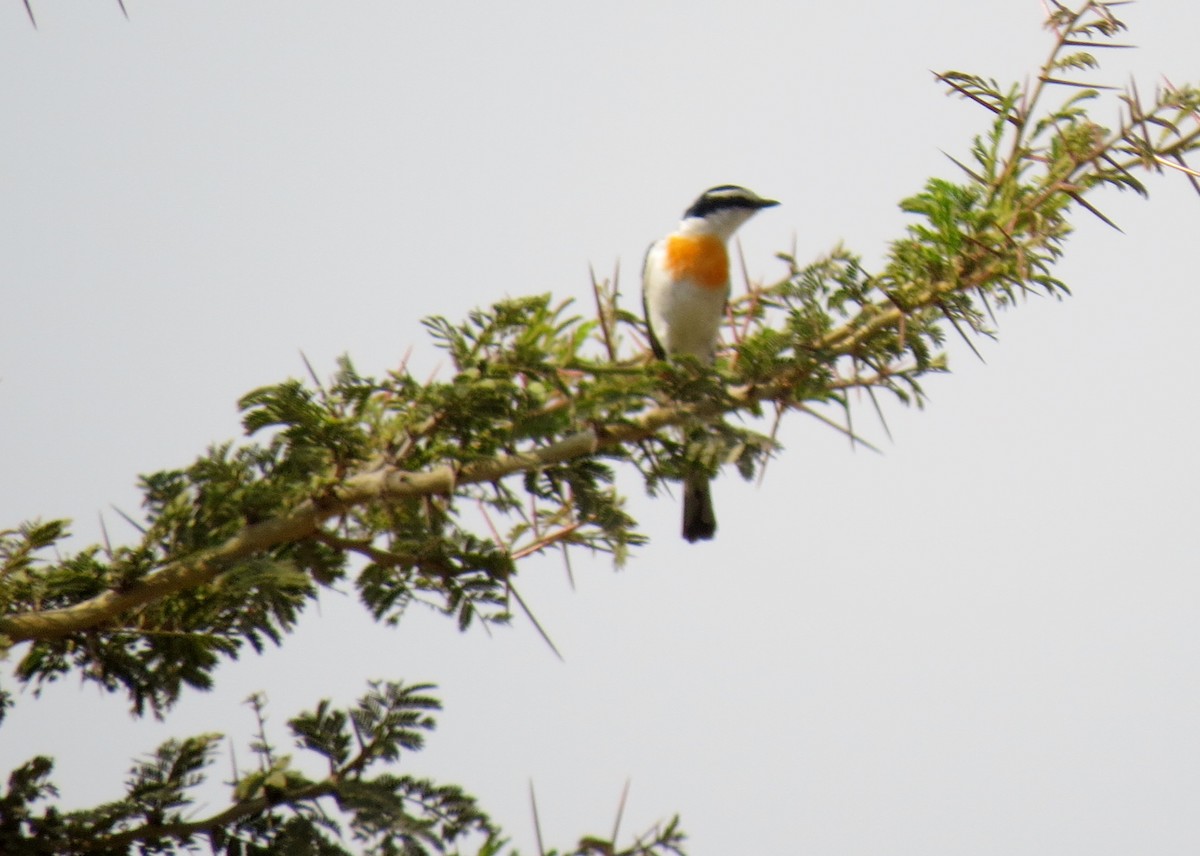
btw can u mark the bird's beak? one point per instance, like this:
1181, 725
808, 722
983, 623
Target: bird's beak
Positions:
767, 203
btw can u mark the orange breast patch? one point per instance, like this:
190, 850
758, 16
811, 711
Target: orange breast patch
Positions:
700, 258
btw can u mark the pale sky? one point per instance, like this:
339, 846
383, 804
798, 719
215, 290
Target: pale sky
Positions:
984, 641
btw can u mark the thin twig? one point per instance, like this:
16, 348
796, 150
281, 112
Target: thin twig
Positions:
537, 824
537, 625
620, 811
603, 316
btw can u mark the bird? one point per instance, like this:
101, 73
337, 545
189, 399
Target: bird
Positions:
685, 287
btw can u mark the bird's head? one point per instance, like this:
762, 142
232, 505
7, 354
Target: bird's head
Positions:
720, 210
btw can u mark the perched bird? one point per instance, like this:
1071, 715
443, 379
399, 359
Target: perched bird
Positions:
685, 286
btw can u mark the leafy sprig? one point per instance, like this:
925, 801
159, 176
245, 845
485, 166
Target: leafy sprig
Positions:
276, 807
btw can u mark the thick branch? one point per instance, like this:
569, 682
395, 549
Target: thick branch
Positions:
382, 483
390, 483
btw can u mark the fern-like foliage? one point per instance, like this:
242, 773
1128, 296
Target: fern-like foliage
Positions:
275, 807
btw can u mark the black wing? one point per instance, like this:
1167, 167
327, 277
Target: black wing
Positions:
655, 345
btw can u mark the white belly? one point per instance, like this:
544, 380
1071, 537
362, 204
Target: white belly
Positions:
685, 317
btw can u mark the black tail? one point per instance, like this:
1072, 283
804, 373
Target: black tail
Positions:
699, 521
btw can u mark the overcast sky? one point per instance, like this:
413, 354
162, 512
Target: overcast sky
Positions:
984, 641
